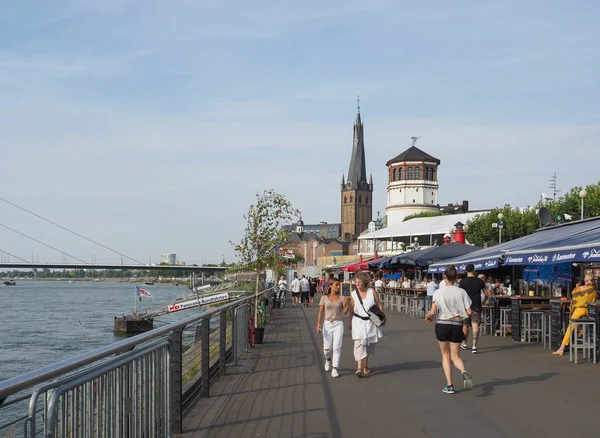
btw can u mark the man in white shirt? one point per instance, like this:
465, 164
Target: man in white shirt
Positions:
296, 288
379, 285
305, 285
392, 283
406, 283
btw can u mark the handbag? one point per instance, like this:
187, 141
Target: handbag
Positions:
376, 315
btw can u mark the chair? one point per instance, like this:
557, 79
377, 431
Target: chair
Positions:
546, 329
532, 325
505, 321
487, 320
586, 342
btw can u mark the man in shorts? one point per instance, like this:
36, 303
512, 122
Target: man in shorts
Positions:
474, 286
296, 288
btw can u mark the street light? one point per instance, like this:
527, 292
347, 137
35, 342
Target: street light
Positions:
500, 226
582, 195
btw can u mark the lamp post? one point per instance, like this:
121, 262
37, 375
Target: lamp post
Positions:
500, 226
582, 195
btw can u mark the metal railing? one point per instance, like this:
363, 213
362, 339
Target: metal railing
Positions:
138, 387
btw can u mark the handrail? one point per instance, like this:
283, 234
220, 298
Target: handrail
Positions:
17, 383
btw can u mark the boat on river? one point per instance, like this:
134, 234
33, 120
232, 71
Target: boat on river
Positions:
10, 283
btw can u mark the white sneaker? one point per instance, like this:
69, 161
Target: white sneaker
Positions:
334, 373
327, 365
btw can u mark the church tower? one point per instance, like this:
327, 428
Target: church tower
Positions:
412, 184
357, 192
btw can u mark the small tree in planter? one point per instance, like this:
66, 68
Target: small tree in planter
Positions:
264, 234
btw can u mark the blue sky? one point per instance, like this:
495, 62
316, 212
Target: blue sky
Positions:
149, 125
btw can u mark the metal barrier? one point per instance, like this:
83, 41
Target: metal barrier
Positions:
141, 386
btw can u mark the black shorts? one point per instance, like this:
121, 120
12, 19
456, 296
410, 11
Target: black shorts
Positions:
449, 333
295, 294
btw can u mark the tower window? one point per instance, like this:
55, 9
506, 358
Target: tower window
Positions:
351, 199
360, 199
417, 173
426, 173
431, 193
367, 200
396, 178
410, 173
401, 177
413, 201
417, 190
345, 199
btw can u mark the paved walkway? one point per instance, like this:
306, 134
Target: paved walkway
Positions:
521, 390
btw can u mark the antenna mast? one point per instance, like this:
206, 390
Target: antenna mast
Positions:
553, 186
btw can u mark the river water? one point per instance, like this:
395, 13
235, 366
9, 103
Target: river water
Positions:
43, 322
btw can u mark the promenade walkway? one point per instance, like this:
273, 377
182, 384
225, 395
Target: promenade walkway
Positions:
520, 390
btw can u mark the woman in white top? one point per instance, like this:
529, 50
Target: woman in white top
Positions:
364, 333
453, 305
332, 308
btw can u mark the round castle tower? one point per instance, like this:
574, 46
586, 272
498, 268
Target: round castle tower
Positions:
412, 184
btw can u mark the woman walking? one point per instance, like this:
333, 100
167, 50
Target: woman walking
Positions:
454, 306
364, 333
331, 310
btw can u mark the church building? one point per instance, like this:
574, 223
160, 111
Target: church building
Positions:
356, 191
412, 184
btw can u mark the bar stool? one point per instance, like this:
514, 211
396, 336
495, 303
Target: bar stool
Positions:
532, 324
586, 343
547, 329
487, 320
505, 321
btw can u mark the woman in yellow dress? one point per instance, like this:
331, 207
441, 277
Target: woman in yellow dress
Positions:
581, 296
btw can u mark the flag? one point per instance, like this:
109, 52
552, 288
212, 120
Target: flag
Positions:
140, 292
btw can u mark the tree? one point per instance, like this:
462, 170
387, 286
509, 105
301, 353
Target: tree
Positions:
519, 223
423, 214
263, 233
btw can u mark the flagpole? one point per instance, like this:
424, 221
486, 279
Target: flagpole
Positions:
135, 301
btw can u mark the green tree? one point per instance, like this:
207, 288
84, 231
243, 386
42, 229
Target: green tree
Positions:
263, 233
519, 223
423, 214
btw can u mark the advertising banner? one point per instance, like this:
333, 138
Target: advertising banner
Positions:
196, 303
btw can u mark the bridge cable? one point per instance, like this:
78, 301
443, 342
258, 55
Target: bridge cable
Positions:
12, 255
70, 231
45, 244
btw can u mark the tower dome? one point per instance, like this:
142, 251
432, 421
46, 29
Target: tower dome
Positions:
412, 184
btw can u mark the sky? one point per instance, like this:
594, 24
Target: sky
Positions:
149, 126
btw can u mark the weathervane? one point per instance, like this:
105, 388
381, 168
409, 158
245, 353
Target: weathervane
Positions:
358, 102
414, 140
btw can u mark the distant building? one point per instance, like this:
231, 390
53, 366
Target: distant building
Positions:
169, 259
412, 184
322, 229
356, 191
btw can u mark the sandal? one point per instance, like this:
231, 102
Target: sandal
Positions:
358, 373
366, 372
558, 353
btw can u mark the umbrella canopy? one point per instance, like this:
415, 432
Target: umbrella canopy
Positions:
357, 266
423, 257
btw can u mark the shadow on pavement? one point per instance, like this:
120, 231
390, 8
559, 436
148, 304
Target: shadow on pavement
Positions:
488, 388
406, 366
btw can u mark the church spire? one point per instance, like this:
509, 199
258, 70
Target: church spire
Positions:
357, 173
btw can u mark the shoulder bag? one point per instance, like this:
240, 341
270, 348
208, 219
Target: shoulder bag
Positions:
376, 315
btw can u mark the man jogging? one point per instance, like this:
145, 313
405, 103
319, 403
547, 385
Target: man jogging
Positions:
474, 287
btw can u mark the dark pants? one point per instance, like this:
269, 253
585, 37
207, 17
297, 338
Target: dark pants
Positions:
304, 298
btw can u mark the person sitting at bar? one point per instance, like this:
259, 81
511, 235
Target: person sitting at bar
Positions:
581, 296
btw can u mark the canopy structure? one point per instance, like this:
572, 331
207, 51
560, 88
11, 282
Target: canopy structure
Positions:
357, 266
424, 257
574, 241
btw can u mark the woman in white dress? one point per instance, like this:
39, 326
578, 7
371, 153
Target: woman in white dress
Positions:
364, 333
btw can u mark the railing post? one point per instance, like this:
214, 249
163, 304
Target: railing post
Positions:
205, 365
176, 382
222, 342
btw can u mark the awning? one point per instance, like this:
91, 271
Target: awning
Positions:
573, 241
357, 266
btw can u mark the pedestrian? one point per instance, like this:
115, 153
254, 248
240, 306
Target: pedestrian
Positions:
332, 307
364, 332
312, 289
305, 287
296, 289
474, 286
453, 305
